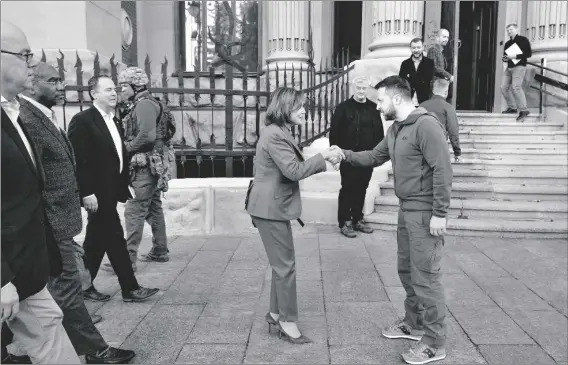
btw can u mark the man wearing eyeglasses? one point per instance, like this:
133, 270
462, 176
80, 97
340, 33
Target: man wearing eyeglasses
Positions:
63, 210
29, 253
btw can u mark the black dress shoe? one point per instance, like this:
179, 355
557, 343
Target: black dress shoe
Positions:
139, 295
14, 359
93, 295
96, 318
110, 355
510, 111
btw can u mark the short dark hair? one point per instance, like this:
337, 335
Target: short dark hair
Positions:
94, 82
512, 25
395, 85
416, 40
283, 101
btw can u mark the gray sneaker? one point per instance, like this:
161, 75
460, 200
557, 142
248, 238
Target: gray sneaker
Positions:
402, 330
347, 230
421, 353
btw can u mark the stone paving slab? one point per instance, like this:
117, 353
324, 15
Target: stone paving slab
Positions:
515, 354
506, 301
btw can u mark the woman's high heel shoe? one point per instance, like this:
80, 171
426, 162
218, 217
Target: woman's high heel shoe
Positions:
296, 341
271, 321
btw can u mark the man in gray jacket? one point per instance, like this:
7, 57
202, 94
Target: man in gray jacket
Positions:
416, 145
445, 113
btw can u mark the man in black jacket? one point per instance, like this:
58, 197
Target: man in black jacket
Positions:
29, 253
355, 125
102, 175
418, 70
512, 87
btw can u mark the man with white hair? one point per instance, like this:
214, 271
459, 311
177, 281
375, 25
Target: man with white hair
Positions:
355, 125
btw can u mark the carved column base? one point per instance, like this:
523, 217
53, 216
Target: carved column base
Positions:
391, 46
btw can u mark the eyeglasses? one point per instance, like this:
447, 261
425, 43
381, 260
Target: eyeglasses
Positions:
27, 56
57, 83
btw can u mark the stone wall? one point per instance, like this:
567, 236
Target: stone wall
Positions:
216, 205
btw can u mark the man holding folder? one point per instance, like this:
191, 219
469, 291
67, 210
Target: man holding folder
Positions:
517, 51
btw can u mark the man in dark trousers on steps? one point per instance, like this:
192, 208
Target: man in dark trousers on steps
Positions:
445, 113
355, 125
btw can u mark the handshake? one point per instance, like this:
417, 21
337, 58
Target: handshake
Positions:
334, 155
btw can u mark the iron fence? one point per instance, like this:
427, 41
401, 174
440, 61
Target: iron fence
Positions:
219, 117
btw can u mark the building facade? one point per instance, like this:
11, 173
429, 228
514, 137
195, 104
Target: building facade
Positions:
196, 35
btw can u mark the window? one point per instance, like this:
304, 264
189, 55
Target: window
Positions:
217, 33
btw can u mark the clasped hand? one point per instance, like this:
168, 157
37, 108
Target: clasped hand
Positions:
334, 155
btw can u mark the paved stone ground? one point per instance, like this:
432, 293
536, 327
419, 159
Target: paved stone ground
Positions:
506, 299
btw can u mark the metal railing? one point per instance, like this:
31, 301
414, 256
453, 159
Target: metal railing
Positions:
209, 112
542, 80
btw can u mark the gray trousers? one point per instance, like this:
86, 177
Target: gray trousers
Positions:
145, 207
419, 269
512, 88
67, 291
279, 245
37, 329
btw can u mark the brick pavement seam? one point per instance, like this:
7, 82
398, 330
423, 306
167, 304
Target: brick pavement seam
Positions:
522, 282
154, 305
324, 302
503, 309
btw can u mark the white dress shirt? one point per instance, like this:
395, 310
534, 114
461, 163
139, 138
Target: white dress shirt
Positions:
108, 118
12, 109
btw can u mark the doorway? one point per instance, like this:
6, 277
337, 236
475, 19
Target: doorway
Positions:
347, 29
476, 53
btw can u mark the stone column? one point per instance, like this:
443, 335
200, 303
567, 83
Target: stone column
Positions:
287, 33
546, 29
395, 23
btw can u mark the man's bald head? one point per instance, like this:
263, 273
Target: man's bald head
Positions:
47, 88
15, 73
443, 37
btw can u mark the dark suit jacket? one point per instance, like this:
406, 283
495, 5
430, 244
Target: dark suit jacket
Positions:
279, 165
61, 193
97, 159
421, 80
29, 252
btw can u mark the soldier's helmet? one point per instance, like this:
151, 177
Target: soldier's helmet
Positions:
133, 76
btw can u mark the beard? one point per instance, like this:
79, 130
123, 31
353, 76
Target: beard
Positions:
389, 114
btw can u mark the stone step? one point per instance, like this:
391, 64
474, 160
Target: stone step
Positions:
484, 227
495, 116
525, 136
495, 143
501, 191
509, 163
485, 208
510, 127
521, 176
508, 123
508, 154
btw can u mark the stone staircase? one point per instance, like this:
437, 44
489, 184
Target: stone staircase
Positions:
512, 180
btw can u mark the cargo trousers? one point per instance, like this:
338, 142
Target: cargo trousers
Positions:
419, 269
146, 206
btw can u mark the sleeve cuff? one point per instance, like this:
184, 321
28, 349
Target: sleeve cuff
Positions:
88, 196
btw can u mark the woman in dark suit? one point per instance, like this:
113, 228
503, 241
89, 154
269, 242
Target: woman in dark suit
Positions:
274, 200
